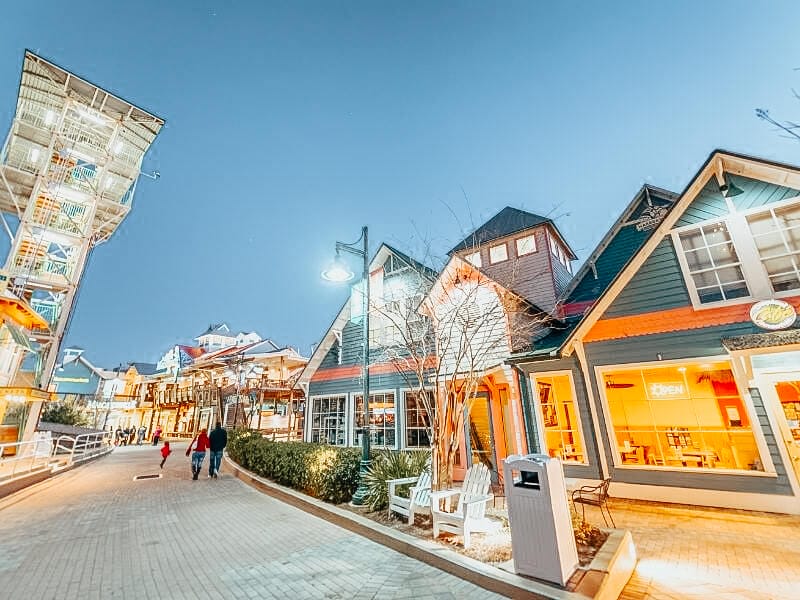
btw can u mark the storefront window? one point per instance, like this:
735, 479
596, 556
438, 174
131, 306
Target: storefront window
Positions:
418, 425
381, 419
684, 416
328, 420
559, 412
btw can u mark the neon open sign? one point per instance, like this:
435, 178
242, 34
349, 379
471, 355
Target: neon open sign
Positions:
668, 390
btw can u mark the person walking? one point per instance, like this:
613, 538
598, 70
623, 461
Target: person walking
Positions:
217, 440
165, 452
200, 443
156, 435
141, 434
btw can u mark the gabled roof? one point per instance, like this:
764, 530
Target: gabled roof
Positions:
507, 222
600, 268
716, 165
192, 351
144, 368
322, 349
217, 329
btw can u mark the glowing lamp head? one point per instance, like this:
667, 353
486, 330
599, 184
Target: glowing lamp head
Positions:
337, 271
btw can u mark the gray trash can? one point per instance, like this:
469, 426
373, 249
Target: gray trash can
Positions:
542, 539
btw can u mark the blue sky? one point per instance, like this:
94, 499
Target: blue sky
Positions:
291, 124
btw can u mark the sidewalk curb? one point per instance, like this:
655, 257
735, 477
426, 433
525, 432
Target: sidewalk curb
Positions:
429, 552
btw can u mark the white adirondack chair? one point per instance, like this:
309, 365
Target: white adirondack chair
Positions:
470, 513
419, 496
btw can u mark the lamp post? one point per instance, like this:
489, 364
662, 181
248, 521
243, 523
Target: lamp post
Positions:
338, 272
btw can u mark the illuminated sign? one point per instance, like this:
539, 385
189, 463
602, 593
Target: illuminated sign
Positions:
773, 314
670, 389
23, 394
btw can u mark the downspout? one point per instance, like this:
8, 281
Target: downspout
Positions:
527, 410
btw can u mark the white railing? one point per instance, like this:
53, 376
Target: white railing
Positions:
79, 448
22, 458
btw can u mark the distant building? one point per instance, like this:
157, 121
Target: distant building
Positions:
219, 335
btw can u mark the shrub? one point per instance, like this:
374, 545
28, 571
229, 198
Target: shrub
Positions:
389, 464
329, 473
66, 413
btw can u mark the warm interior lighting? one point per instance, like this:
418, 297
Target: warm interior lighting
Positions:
338, 272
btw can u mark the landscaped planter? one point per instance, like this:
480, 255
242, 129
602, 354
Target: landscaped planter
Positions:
603, 578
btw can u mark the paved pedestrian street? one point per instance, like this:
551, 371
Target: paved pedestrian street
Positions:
94, 533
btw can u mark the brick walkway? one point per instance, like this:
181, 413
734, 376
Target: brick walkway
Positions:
94, 533
690, 552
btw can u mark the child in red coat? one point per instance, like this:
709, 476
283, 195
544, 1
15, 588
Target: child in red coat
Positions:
165, 452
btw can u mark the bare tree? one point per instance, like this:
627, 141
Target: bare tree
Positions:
442, 335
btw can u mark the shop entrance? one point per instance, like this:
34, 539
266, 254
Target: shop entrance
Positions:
479, 434
786, 405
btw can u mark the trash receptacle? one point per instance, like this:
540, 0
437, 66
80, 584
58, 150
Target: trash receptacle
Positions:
542, 539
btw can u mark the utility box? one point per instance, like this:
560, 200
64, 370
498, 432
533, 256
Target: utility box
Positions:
542, 539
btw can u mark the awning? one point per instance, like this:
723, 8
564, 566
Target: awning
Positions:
21, 313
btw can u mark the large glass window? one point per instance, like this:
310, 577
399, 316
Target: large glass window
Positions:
328, 420
418, 423
713, 263
776, 234
680, 416
559, 413
498, 253
381, 419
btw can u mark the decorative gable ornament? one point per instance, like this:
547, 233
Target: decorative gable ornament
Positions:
773, 314
650, 218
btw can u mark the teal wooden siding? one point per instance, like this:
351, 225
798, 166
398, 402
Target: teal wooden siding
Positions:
614, 257
657, 285
592, 470
691, 344
709, 204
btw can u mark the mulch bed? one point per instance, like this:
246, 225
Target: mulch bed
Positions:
490, 548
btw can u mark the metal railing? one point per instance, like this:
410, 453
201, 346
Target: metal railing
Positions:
22, 458
79, 448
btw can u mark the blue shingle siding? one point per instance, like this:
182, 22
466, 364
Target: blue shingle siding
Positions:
592, 470
76, 370
690, 344
657, 285
613, 258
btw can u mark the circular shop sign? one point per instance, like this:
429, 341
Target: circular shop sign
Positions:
773, 314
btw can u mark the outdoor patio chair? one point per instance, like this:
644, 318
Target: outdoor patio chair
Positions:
594, 495
419, 496
470, 513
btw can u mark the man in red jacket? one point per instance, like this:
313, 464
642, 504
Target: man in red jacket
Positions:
200, 446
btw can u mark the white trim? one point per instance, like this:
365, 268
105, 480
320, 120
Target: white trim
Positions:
705, 497
583, 363
755, 426
309, 413
401, 393
352, 419
765, 382
539, 415
717, 161
504, 245
530, 236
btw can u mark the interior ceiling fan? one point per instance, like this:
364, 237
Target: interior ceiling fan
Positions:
611, 384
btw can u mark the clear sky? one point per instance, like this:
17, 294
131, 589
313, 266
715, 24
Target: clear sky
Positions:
292, 124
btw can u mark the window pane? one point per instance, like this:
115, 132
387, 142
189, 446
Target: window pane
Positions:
775, 266
699, 260
707, 295
705, 279
730, 274
526, 245
417, 422
498, 253
785, 282
692, 240
716, 233
735, 290
761, 224
686, 416
724, 254
559, 412
770, 244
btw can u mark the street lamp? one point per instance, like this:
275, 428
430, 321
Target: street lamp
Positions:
338, 272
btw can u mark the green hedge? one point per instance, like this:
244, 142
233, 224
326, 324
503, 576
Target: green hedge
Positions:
326, 472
